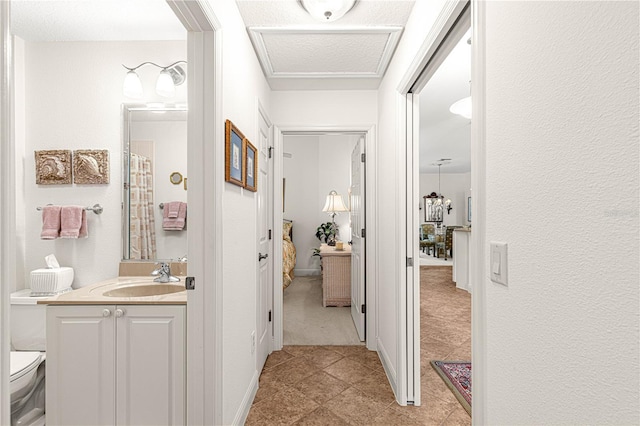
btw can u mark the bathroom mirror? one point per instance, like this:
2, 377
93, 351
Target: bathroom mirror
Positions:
154, 147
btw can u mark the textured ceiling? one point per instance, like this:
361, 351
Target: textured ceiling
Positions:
297, 52
95, 20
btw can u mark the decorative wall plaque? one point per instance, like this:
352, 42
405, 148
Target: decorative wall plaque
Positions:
91, 166
53, 167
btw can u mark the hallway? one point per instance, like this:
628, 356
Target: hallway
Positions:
346, 385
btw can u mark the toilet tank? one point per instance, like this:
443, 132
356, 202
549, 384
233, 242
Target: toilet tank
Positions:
28, 322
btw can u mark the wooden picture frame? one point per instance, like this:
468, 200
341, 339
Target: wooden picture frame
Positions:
91, 166
251, 166
234, 155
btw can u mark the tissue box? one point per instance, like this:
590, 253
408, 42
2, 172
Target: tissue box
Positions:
51, 281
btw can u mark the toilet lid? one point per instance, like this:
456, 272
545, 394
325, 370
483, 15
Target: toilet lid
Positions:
22, 363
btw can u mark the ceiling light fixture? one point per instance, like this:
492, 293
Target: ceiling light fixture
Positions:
434, 203
327, 10
462, 107
170, 76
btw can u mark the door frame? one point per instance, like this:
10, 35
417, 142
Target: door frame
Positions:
369, 133
419, 72
7, 203
205, 147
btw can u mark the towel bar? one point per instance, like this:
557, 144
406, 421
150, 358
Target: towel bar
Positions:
96, 208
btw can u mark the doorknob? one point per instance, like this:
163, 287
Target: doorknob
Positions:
262, 256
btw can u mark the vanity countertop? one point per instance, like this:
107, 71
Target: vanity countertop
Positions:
94, 294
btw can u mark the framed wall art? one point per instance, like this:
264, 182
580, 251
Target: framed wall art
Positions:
234, 155
251, 166
53, 167
91, 166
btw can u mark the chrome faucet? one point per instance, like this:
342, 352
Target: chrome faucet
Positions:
163, 272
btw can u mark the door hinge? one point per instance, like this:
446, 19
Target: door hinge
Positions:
362, 157
126, 185
363, 309
269, 316
409, 261
270, 151
362, 233
269, 233
190, 283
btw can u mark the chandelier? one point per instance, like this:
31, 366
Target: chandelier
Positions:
436, 203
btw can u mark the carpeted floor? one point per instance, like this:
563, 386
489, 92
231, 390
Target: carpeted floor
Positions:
307, 322
345, 385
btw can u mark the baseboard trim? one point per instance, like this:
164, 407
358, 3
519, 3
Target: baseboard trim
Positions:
245, 406
306, 272
388, 368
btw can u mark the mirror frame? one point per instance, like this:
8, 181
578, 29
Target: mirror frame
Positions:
126, 113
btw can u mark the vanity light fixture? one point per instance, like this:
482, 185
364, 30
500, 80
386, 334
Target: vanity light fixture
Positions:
327, 10
170, 76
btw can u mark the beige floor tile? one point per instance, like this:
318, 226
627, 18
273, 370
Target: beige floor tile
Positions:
275, 358
348, 370
368, 359
299, 349
349, 350
294, 370
376, 385
321, 417
322, 357
431, 412
285, 407
355, 407
459, 417
394, 415
321, 387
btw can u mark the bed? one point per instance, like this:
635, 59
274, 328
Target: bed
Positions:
288, 253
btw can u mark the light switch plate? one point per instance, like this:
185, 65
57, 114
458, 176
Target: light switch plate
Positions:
498, 262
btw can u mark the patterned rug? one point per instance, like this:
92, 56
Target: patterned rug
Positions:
457, 376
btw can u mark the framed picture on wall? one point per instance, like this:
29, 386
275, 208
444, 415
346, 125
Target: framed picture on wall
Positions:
234, 155
251, 166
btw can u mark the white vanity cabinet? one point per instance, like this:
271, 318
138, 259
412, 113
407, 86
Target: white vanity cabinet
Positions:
115, 365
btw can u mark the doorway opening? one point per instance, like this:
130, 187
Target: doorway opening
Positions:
317, 237
304, 183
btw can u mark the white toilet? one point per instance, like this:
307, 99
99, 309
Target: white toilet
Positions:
28, 340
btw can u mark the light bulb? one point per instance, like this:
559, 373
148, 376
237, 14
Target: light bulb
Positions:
132, 86
164, 85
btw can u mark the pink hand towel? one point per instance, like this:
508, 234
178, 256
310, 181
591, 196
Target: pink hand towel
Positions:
50, 222
72, 219
173, 208
174, 224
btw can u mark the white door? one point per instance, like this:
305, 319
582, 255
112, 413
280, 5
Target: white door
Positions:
81, 365
150, 378
357, 238
265, 244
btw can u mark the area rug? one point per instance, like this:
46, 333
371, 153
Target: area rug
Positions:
457, 376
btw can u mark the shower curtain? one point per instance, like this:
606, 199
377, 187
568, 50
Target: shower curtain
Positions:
142, 233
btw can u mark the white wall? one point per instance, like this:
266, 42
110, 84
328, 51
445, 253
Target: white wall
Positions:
73, 98
324, 108
389, 153
562, 103
19, 135
243, 84
170, 144
454, 186
318, 165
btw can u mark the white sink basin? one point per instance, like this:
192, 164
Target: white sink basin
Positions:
144, 290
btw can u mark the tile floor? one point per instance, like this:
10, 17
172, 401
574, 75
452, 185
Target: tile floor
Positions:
346, 385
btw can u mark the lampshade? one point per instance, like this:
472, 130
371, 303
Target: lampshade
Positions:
327, 10
462, 107
164, 85
132, 86
334, 203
